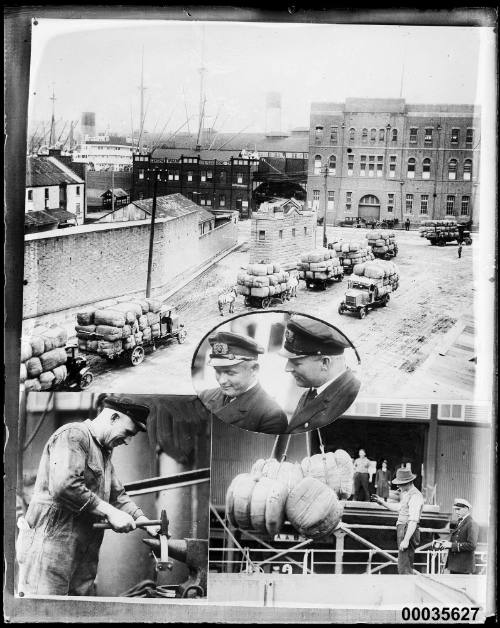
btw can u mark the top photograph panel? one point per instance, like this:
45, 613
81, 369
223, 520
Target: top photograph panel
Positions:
162, 197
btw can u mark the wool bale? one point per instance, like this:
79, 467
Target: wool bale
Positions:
269, 269
347, 261
309, 274
302, 274
23, 373
260, 292
92, 345
109, 317
108, 347
337, 247
143, 322
32, 385
138, 337
54, 338
154, 305
85, 329
153, 318
46, 380
276, 268
85, 317
109, 332
146, 334
230, 499
53, 358
359, 269
126, 331
37, 345
131, 309
354, 246
258, 467
155, 330
26, 350
60, 373
275, 506
374, 272
318, 266
313, 508
272, 290
242, 492
260, 282
129, 343
321, 275
144, 305
33, 367
245, 290
257, 269
258, 504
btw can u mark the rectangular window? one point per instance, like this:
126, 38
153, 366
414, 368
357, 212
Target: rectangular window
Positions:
30, 195
262, 235
380, 165
170, 176
409, 203
315, 195
46, 194
141, 174
202, 200
203, 176
331, 199
371, 165
334, 132
222, 176
176, 176
469, 136
350, 165
77, 207
450, 205
209, 201
318, 134
280, 234
222, 200
428, 136
424, 203
362, 166
392, 166
464, 210
78, 190
209, 175
455, 136
390, 203
413, 136
190, 175
239, 177
348, 201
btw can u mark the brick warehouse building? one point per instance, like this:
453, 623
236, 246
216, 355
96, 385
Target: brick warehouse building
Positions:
377, 159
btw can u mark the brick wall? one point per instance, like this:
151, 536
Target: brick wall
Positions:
75, 267
283, 248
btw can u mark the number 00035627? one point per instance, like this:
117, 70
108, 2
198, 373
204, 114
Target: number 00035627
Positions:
439, 613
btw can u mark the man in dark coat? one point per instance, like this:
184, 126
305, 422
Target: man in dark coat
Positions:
240, 400
315, 353
463, 540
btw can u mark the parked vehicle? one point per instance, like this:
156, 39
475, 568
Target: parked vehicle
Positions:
364, 294
79, 374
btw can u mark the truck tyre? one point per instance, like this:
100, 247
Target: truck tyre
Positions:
181, 336
136, 356
85, 380
385, 300
341, 308
468, 241
362, 312
265, 303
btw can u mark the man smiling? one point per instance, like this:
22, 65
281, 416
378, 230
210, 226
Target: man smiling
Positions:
76, 485
240, 400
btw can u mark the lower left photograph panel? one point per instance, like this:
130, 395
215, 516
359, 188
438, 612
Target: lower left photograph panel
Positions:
112, 495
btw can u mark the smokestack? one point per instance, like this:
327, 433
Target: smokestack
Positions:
273, 112
88, 124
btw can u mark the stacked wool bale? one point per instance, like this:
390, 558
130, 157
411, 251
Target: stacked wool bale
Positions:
383, 273
382, 242
320, 263
263, 280
43, 358
443, 228
118, 328
352, 252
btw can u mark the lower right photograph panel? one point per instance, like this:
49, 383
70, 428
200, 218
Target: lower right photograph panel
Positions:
334, 517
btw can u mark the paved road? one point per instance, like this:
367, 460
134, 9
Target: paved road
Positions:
395, 343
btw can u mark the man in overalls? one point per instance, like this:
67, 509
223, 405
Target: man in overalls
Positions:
76, 486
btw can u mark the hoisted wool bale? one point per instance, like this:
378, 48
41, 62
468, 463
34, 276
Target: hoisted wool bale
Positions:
345, 468
32, 385
326, 468
85, 317
289, 473
33, 367
37, 345
242, 496
60, 373
46, 380
23, 373
258, 504
267, 506
110, 317
313, 508
26, 350
109, 333
53, 358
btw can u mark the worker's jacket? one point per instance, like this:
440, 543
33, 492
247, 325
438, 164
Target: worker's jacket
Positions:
57, 548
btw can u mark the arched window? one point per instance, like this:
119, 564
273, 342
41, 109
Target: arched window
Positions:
373, 135
452, 169
317, 164
364, 135
394, 135
332, 164
381, 135
352, 134
411, 168
426, 168
467, 169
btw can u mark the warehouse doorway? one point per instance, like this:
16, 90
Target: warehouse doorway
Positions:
369, 208
398, 442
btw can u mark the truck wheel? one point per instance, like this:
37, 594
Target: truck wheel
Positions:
265, 303
385, 300
247, 301
136, 356
468, 241
362, 312
341, 308
85, 380
181, 336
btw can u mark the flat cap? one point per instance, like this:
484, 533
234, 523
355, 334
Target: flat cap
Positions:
461, 503
137, 412
306, 336
228, 349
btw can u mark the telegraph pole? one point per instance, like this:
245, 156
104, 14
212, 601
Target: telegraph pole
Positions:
152, 235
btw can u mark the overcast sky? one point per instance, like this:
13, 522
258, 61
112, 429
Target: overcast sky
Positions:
96, 66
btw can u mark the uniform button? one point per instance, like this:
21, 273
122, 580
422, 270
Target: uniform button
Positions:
306, 424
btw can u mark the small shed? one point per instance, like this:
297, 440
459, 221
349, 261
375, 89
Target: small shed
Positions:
120, 198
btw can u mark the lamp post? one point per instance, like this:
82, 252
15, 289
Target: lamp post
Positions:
152, 234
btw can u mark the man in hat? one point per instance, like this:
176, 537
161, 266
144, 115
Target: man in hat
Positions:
240, 400
463, 540
409, 509
76, 486
315, 358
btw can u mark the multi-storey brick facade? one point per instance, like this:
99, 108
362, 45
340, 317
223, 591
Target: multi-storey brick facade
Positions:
377, 159
281, 230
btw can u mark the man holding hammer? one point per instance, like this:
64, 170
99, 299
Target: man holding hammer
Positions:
76, 486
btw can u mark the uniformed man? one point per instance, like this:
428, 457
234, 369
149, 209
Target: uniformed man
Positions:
410, 510
76, 486
315, 353
463, 540
240, 400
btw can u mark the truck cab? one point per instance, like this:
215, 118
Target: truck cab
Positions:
360, 293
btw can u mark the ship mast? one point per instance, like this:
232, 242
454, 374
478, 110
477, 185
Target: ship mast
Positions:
52, 136
202, 71
142, 90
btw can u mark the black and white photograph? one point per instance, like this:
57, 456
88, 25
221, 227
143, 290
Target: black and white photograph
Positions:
276, 373
250, 326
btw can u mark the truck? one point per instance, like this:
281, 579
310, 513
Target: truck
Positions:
441, 232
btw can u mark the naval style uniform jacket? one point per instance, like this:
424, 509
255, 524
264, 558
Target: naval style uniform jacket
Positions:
253, 410
327, 406
463, 544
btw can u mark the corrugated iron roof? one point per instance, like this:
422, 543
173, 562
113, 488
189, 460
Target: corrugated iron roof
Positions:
42, 172
38, 219
62, 215
168, 206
